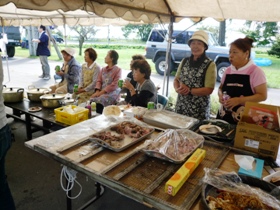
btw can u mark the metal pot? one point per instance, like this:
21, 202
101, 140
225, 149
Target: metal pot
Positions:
34, 93
51, 100
12, 94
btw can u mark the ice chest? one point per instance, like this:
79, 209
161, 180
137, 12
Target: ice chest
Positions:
70, 119
255, 131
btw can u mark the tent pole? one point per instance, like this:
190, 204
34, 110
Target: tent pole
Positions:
168, 57
64, 27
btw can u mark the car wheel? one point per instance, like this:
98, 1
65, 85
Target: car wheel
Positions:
161, 65
221, 70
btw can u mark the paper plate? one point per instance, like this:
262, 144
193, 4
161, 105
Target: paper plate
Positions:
207, 129
35, 109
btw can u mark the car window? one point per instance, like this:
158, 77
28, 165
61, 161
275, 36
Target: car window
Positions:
157, 36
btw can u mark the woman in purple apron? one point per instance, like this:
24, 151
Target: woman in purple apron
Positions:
242, 81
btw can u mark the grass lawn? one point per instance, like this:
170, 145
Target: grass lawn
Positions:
272, 72
123, 62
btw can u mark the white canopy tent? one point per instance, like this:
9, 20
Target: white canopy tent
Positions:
154, 11
162, 11
10, 15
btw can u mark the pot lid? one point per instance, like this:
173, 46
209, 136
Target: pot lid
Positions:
69, 100
12, 89
37, 90
52, 96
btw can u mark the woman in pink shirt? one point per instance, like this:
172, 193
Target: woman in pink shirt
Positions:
243, 81
107, 91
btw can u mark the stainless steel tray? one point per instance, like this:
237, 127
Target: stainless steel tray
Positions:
124, 141
168, 119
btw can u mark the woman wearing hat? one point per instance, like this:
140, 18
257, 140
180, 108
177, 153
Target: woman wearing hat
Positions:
70, 73
243, 81
195, 79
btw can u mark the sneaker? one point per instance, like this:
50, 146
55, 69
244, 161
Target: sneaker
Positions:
41, 76
46, 78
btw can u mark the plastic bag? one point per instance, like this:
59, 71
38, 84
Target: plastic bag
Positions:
174, 144
231, 182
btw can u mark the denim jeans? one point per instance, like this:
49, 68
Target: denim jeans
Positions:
6, 199
45, 65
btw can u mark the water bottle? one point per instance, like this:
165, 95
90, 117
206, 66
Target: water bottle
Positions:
225, 98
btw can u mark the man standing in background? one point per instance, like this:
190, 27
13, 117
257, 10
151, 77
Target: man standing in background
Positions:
43, 52
6, 199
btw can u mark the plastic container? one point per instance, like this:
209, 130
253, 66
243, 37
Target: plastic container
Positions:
70, 119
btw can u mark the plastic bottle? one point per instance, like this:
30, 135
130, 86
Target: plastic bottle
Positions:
88, 106
75, 90
225, 98
93, 106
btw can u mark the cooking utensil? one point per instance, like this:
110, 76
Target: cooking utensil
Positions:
52, 100
34, 93
12, 94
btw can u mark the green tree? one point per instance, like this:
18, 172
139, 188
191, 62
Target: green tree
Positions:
275, 49
142, 31
263, 33
213, 29
85, 32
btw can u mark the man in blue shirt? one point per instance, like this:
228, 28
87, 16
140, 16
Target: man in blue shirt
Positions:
43, 51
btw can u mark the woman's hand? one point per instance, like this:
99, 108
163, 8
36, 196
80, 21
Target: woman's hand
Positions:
127, 85
81, 90
232, 102
183, 89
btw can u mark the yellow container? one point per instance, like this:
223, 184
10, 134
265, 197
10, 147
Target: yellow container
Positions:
173, 185
70, 119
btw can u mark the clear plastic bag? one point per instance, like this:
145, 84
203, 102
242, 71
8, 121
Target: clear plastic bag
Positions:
174, 144
232, 184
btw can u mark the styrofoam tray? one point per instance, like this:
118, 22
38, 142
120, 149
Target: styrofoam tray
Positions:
269, 177
168, 119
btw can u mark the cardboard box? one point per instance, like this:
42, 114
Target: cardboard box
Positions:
256, 130
174, 184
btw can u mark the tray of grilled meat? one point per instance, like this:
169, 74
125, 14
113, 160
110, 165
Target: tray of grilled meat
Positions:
121, 136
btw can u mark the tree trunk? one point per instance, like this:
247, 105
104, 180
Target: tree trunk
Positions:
81, 42
222, 33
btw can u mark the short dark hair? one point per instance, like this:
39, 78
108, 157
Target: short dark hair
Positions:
43, 27
138, 57
244, 44
143, 66
92, 53
114, 55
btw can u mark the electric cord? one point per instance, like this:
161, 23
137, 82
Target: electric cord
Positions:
70, 176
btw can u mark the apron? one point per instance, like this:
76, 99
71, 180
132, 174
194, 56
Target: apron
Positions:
194, 106
235, 89
87, 75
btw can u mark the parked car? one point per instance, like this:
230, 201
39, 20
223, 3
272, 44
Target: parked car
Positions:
58, 38
156, 46
14, 39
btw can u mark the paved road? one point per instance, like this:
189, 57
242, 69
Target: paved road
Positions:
25, 71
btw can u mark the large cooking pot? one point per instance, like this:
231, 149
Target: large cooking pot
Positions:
34, 93
12, 94
51, 100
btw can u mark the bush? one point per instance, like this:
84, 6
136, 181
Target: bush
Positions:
275, 49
